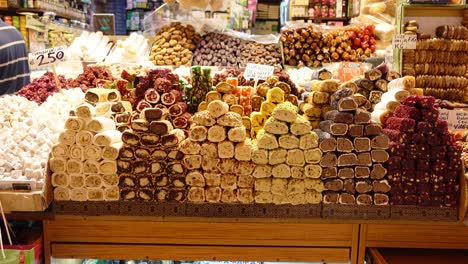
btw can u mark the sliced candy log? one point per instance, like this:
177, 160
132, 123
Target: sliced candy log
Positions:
346, 198
346, 173
362, 172
230, 119
142, 153
381, 199
130, 138
378, 172
339, 117
328, 144
198, 133
364, 159
379, 155
329, 172
382, 85
356, 130
126, 153
344, 145
168, 99
161, 181
366, 84
210, 164
347, 104
373, 74
363, 186
321, 74
362, 117
128, 194
177, 194
152, 114
181, 121
381, 186
140, 125
145, 194
334, 185
347, 159
178, 109
161, 194
364, 199
124, 166
149, 139
123, 118
142, 105
139, 167
156, 167
337, 129
329, 159
331, 197
173, 138
380, 142
349, 186
160, 127
362, 144
152, 96
127, 180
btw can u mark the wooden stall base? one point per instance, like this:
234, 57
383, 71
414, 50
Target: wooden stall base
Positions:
201, 239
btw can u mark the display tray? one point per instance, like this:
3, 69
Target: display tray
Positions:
329, 211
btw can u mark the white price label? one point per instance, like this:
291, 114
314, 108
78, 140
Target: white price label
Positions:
258, 71
457, 119
404, 41
46, 58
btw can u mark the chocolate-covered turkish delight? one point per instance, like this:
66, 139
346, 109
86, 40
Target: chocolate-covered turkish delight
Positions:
372, 130
349, 186
346, 198
362, 144
379, 155
337, 129
356, 130
329, 160
362, 172
362, 117
378, 171
347, 159
364, 159
344, 145
347, 104
331, 198
363, 186
334, 185
346, 173
339, 117
380, 142
329, 172
364, 199
328, 144
381, 199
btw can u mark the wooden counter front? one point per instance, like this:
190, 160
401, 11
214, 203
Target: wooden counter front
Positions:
201, 239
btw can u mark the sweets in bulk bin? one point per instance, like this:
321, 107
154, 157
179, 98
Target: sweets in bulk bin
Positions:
425, 161
239, 74
258, 53
397, 91
83, 163
40, 89
89, 47
439, 63
28, 132
150, 165
133, 49
286, 154
354, 153
216, 49
174, 44
317, 100
375, 83
201, 85
92, 76
217, 156
306, 46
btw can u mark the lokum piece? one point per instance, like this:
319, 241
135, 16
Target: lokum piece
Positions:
329, 172
400, 124
313, 197
378, 172
262, 171
312, 156
430, 115
344, 145
282, 171
237, 134
243, 150
334, 185
295, 157
263, 197
300, 126
339, 117
329, 159
379, 155
288, 141
196, 195
297, 172
276, 127
363, 186
245, 196
362, 172
362, 144
404, 111
349, 186
331, 198
364, 159
381, 186
260, 156
346, 173
244, 167
364, 199
362, 117
347, 159
285, 112
216, 133
266, 140
309, 141
277, 156
380, 142
347, 104
328, 144
356, 130
346, 198
380, 199
337, 129
312, 171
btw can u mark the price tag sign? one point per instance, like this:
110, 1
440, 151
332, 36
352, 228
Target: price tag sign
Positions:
404, 41
258, 71
47, 58
457, 119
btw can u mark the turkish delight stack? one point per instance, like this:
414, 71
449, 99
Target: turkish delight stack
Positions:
237, 97
287, 158
217, 156
398, 90
202, 83
354, 153
375, 83
316, 101
267, 96
83, 162
425, 161
150, 164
